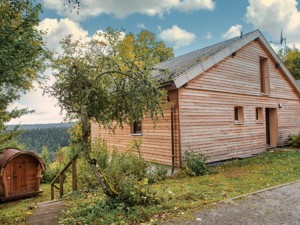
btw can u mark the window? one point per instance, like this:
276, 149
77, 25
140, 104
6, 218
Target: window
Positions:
238, 115
136, 127
259, 114
264, 75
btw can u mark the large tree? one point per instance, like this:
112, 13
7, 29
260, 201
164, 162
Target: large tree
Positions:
21, 50
108, 79
291, 59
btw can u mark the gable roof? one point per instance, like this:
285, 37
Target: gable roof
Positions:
184, 68
298, 82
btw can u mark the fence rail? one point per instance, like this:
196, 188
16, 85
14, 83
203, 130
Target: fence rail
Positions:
60, 177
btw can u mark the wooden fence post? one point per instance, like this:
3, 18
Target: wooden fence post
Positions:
60, 177
61, 185
52, 192
74, 175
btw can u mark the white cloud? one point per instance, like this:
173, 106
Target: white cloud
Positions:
177, 36
59, 29
121, 9
272, 15
44, 106
208, 35
233, 31
189, 5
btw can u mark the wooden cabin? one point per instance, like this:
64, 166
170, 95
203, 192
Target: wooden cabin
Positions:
230, 100
20, 173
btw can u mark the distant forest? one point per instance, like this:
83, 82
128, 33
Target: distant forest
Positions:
52, 136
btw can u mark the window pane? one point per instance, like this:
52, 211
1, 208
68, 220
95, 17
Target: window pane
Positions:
137, 127
236, 114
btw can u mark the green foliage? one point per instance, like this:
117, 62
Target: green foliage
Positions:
126, 173
62, 157
21, 52
109, 80
294, 140
195, 161
52, 138
90, 209
291, 59
184, 195
156, 173
50, 174
45, 156
183, 173
11, 143
16, 212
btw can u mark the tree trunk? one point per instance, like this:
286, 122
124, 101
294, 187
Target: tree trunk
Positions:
86, 145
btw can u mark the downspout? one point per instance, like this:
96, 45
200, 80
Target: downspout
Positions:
172, 135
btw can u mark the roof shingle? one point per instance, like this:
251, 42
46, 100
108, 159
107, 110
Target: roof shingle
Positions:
180, 64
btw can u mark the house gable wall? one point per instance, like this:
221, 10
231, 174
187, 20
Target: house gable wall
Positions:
155, 140
207, 106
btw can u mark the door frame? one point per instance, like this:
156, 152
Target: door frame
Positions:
271, 122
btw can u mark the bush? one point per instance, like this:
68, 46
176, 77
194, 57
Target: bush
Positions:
126, 172
49, 174
195, 161
109, 211
156, 173
294, 140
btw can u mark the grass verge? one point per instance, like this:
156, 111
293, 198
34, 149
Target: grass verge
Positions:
186, 194
15, 212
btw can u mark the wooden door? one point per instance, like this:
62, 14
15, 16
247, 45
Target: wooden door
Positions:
271, 127
18, 176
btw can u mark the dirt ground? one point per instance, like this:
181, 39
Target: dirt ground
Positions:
278, 206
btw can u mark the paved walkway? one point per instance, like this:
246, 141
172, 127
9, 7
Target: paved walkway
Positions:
47, 213
277, 206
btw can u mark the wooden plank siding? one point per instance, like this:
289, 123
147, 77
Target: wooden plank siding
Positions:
156, 141
207, 102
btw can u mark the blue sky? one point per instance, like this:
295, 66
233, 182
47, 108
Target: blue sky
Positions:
185, 25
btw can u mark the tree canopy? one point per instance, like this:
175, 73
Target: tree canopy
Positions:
110, 76
291, 59
109, 79
21, 50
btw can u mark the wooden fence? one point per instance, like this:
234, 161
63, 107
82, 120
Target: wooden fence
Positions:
61, 176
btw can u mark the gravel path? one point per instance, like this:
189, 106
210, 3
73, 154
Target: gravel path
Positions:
277, 206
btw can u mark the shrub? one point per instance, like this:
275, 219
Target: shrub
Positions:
109, 211
195, 161
294, 140
126, 172
156, 173
49, 174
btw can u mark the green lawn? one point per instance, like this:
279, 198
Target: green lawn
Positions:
231, 179
182, 195
15, 212
179, 195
